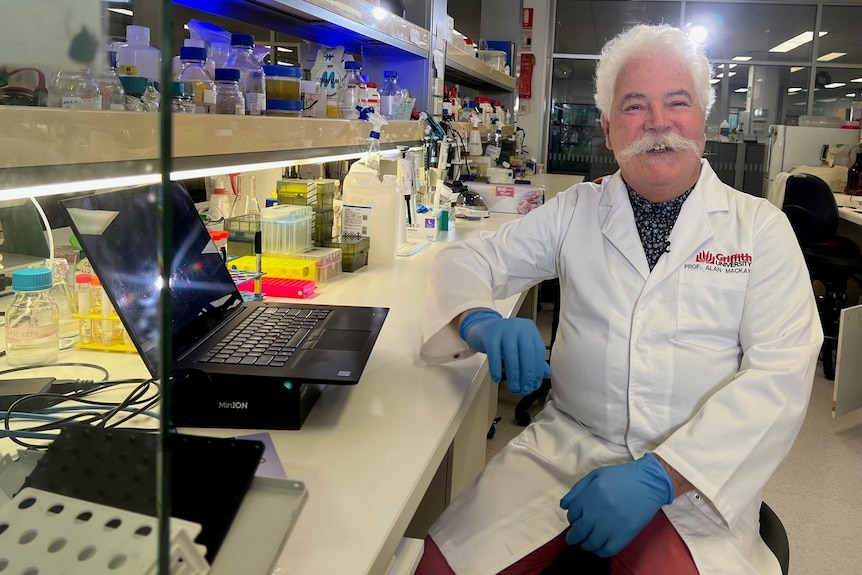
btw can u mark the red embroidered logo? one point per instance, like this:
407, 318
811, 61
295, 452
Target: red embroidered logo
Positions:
726, 260
705, 257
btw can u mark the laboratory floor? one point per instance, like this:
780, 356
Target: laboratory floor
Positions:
817, 491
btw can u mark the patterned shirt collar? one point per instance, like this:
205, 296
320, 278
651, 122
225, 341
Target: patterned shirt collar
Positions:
654, 222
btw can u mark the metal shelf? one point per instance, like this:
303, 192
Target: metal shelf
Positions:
464, 68
349, 23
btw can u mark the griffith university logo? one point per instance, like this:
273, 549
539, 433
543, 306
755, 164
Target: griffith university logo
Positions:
725, 263
705, 257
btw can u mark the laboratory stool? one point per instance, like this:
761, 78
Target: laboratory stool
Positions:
832, 260
549, 291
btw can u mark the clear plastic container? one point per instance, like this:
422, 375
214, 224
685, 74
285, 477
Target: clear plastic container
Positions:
286, 229
282, 83
352, 89
62, 296
217, 56
494, 58
136, 57
252, 81
75, 89
110, 87
229, 98
197, 82
32, 319
390, 95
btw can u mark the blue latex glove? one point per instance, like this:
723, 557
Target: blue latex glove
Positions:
515, 341
611, 505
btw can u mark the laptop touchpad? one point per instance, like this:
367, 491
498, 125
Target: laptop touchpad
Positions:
342, 340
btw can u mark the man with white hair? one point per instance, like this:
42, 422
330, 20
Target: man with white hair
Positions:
683, 362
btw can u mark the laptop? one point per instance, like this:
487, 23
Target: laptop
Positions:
269, 380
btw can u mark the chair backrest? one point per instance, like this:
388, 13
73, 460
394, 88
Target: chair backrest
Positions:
810, 206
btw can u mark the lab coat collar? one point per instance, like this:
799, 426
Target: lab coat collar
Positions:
690, 231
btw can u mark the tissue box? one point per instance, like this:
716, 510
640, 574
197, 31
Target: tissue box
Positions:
509, 198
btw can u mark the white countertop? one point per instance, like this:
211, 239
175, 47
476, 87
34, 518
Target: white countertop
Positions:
366, 453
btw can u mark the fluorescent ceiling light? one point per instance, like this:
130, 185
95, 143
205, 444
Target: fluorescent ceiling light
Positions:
379, 13
827, 99
831, 56
856, 80
850, 95
741, 58
795, 42
741, 90
122, 11
729, 66
699, 34
835, 85
283, 49
714, 81
793, 90
795, 69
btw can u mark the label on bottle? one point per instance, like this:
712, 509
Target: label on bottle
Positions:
89, 103
70, 102
255, 103
118, 107
240, 109
207, 96
127, 70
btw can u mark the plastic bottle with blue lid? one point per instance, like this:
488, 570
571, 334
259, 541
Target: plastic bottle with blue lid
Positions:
32, 320
252, 81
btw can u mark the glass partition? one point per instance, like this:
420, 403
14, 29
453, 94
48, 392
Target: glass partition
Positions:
82, 436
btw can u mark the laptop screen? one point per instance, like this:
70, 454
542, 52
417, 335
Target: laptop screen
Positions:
119, 233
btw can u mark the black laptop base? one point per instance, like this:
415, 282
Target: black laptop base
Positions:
199, 399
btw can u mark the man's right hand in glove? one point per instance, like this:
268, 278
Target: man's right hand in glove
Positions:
515, 342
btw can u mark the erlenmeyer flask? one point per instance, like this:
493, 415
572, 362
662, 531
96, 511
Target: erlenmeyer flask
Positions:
246, 199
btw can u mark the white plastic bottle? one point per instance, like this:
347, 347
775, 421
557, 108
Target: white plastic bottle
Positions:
32, 320
252, 81
136, 57
387, 215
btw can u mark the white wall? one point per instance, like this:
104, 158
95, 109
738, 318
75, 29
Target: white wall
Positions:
533, 117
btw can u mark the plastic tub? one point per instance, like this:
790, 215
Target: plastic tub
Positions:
494, 58
282, 83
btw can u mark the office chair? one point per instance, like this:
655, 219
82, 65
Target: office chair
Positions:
575, 560
832, 260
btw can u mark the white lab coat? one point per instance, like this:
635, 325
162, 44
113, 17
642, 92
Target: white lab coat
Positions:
707, 361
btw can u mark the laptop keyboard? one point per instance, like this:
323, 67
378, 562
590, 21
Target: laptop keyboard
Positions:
269, 336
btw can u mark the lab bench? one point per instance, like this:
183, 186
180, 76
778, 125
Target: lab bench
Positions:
380, 460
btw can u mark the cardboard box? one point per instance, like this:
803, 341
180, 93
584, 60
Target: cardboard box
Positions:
509, 198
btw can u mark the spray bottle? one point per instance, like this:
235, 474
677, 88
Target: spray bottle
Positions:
372, 157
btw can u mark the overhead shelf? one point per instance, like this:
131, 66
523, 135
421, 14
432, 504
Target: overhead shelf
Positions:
466, 69
40, 145
348, 23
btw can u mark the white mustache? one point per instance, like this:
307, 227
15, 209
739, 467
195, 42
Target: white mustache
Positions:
651, 141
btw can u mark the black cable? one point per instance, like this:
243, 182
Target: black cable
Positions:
137, 402
61, 364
